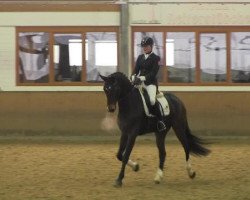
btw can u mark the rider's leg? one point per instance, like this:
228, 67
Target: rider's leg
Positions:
151, 89
157, 111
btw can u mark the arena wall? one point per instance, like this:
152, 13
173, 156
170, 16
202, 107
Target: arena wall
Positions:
80, 113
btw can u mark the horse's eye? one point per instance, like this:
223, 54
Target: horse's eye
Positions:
107, 88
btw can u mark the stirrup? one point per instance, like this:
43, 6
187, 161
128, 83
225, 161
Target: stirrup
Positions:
161, 126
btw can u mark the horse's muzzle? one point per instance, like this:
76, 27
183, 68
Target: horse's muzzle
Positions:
111, 108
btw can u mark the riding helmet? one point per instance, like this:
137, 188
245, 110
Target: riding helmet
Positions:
147, 41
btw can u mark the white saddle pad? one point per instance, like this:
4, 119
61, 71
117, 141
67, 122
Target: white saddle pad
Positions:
164, 104
161, 99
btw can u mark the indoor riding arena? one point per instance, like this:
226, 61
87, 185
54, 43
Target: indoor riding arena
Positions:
58, 135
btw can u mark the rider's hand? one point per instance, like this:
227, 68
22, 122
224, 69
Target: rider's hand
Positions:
132, 78
137, 81
143, 78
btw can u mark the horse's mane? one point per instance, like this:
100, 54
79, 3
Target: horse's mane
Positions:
122, 80
120, 77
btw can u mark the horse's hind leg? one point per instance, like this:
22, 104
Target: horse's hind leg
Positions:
190, 171
160, 141
180, 132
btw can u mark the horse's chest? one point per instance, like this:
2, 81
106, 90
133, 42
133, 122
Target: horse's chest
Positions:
127, 123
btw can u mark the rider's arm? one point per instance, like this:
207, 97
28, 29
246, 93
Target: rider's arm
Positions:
136, 69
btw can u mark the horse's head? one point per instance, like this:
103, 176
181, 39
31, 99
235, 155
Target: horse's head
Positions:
112, 91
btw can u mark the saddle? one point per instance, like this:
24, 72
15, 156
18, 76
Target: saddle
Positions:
160, 98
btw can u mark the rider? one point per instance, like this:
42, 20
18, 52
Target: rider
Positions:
146, 69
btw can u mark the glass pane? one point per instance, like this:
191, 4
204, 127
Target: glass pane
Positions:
101, 54
240, 57
68, 57
158, 47
104, 57
213, 57
180, 57
33, 57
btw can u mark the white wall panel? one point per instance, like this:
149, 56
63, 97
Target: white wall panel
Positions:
7, 58
189, 14
59, 19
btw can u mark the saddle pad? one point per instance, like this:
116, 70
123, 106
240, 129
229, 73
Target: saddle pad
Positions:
161, 99
164, 104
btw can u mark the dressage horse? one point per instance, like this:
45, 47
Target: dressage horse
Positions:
132, 122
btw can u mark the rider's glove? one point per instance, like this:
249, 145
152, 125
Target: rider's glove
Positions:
142, 78
137, 81
132, 78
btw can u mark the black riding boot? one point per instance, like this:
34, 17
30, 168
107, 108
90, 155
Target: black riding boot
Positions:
161, 127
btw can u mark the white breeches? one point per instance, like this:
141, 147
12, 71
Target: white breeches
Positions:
151, 90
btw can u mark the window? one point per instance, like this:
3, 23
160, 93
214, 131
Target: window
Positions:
180, 57
101, 54
170, 52
213, 57
240, 57
67, 57
104, 57
198, 55
33, 57
59, 56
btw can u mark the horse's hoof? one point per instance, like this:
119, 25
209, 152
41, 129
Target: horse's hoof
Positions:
158, 177
118, 184
158, 180
136, 167
192, 176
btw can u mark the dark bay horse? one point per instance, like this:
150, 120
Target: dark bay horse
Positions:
133, 122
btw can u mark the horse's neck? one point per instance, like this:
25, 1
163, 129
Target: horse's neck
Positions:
128, 102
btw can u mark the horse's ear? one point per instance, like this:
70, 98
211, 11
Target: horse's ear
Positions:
103, 77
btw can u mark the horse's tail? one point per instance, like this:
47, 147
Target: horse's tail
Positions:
196, 144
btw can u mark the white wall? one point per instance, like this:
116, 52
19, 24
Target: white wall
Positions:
7, 58
59, 19
161, 14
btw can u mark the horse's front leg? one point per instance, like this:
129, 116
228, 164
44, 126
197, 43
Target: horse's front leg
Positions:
123, 142
160, 141
125, 158
122, 146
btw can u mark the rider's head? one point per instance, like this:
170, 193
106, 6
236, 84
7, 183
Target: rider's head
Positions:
147, 44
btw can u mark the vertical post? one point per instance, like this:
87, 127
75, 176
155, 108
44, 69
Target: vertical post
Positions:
124, 39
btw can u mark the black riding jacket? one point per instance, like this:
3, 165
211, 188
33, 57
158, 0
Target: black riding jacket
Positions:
148, 68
